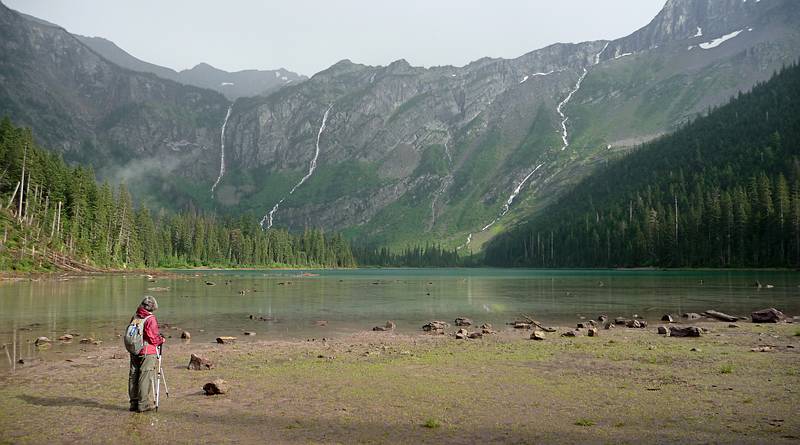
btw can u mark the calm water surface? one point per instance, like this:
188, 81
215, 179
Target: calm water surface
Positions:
354, 300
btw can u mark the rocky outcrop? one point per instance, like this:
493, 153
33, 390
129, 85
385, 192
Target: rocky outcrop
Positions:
769, 315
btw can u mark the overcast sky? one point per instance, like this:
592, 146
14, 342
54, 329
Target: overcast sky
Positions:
307, 36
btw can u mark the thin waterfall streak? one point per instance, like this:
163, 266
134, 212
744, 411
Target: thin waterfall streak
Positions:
269, 217
222, 151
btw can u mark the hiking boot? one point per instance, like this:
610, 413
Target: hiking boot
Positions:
134, 407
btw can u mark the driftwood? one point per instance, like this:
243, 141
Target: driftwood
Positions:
537, 324
720, 316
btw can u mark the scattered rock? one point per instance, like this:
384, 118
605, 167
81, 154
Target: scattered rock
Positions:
435, 327
65, 337
769, 315
321, 323
637, 324
197, 363
720, 316
586, 324
696, 350
251, 333
733, 325
21, 361
218, 386
463, 321
663, 330
592, 332
186, 335
621, 320
685, 331
609, 325
225, 340
488, 331
537, 335
97, 342
210, 283
602, 318
389, 326
86, 341
691, 316
41, 341
668, 318
761, 349
462, 334
573, 333
522, 325
476, 335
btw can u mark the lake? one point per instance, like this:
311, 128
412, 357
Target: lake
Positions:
354, 300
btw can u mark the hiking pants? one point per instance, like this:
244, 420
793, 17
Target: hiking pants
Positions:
141, 380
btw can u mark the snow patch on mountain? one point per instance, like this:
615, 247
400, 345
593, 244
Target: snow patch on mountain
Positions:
720, 40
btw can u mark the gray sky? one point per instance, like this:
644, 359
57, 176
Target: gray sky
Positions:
307, 36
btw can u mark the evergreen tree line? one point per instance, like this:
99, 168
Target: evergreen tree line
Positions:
412, 256
722, 191
53, 213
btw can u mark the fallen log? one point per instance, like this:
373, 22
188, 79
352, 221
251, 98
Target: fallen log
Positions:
720, 316
537, 324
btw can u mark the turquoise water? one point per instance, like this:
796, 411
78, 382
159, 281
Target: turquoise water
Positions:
355, 300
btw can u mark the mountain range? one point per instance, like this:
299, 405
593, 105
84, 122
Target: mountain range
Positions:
387, 154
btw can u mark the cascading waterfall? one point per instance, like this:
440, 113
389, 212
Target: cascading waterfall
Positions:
221, 151
268, 218
447, 181
564, 139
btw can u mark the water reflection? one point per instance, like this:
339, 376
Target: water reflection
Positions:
286, 305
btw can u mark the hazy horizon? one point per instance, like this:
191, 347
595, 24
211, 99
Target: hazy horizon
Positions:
307, 36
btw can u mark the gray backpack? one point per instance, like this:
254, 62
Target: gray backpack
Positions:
134, 335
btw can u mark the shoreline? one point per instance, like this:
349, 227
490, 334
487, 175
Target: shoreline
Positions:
626, 385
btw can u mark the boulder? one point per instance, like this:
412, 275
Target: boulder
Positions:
769, 315
691, 316
462, 334
476, 335
663, 330
537, 335
668, 318
186, 335
592, 332
197, 363
218, 386
720, 316
42, 341
435, 326
463, 321
226, 340
685, 331
609, 325
637, 324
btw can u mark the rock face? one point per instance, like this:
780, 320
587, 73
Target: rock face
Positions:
197, 363
218, 386
442, 141
687, 331
769, 315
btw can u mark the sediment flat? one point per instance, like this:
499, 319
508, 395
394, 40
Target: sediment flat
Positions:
623, 386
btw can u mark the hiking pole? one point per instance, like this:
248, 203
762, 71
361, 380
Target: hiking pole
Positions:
161, 370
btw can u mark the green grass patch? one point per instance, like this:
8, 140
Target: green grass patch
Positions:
584, 422
432, 423
726, 369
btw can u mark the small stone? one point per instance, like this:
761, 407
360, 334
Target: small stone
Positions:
463, 321
210, 283
769, 315
462, 334
521, 325
389, 326
573, 333
65, 337
696, 350
668, 318
486, 326
97, 342
691, 316
602, 318
41, 341
537, 335
761, 349
87, 341
486, 331
609, 325
21, 361
218, 386
321, 323
476, 335
197, 363
250, 333
435, 326
732, 325
637, 324
186, 335
663, 330
225, 340
621, 320
592, 332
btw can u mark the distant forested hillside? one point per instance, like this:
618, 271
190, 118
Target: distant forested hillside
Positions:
723, 191
54, 215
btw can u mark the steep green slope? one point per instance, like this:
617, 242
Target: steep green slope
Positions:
723, 190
